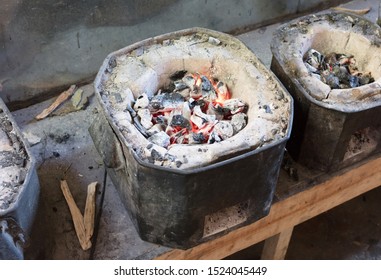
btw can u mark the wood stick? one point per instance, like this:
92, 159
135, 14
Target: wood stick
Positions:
60, 99
76, 216
89, 215
357, 12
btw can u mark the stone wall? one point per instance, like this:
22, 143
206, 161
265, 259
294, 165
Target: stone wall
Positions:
47, 45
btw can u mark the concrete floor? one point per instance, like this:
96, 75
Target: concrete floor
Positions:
65, 150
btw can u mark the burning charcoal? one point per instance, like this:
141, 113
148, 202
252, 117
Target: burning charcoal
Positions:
331, 80
193, 103
341, 73
311, 69
217, 110
161, 120
180, 85
214, 137
196, 94
141, 102
343, 59
238, 122
353, 81
206, 84
198, 138
331, 58
186, 111
207, 118
365, 79
156, 156
155, 129
222, 91
178, 75
224, 129
185, 93
166, 101
161, 139
235, 106
189, 81
145, 118
209, 95
183, 139
197, 121
314, 58
180, 121
337, 70
136, 120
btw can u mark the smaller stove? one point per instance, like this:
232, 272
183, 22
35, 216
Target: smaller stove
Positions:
338, 104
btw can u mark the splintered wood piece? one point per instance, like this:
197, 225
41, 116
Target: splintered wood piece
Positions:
357, 12
76, 216
89, 215
60, 99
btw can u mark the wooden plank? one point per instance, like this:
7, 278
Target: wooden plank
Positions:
289, 212
276, 246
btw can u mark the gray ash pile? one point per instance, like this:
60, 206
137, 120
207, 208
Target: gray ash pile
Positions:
339, 71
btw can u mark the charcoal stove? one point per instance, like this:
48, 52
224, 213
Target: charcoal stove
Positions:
19, 188
217, 187
332, 128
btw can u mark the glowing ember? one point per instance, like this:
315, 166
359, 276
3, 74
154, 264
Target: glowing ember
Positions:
195, 109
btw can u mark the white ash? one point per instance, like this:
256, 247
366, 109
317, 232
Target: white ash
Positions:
229, 61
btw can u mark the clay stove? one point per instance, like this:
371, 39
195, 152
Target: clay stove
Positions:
19, 188
178, 201
332, 127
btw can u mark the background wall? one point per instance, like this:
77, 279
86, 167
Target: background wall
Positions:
47, 45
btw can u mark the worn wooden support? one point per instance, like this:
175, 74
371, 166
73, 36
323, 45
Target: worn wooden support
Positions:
287, 213
276, 246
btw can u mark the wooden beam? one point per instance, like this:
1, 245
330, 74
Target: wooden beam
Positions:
276, 246
289, 212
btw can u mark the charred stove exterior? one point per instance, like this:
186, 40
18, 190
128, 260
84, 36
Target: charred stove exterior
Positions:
180, 207
332, 128
18, 212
